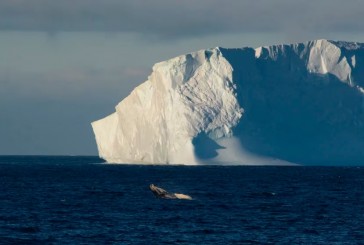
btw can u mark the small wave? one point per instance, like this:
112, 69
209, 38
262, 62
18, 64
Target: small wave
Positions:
26, 229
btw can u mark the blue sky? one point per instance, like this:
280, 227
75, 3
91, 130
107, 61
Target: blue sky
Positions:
64, 64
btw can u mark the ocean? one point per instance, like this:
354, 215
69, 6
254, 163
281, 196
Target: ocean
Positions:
80, 200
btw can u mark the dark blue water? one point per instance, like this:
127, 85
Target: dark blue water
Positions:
76, 200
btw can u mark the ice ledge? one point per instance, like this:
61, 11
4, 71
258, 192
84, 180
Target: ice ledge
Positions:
322, 56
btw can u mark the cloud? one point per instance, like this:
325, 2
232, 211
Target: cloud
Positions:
175, 19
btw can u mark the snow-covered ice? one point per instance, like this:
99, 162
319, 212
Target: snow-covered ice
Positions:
274, 105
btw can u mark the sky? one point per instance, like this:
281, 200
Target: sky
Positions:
64, 64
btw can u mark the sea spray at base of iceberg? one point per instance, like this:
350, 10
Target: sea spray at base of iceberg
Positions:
275, 105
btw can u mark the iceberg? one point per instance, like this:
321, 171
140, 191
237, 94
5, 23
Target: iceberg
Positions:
274, 105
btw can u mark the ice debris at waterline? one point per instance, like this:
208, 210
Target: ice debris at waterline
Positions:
161, 193
297, 103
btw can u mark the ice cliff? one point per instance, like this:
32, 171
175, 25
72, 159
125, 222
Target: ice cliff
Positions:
298, 103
